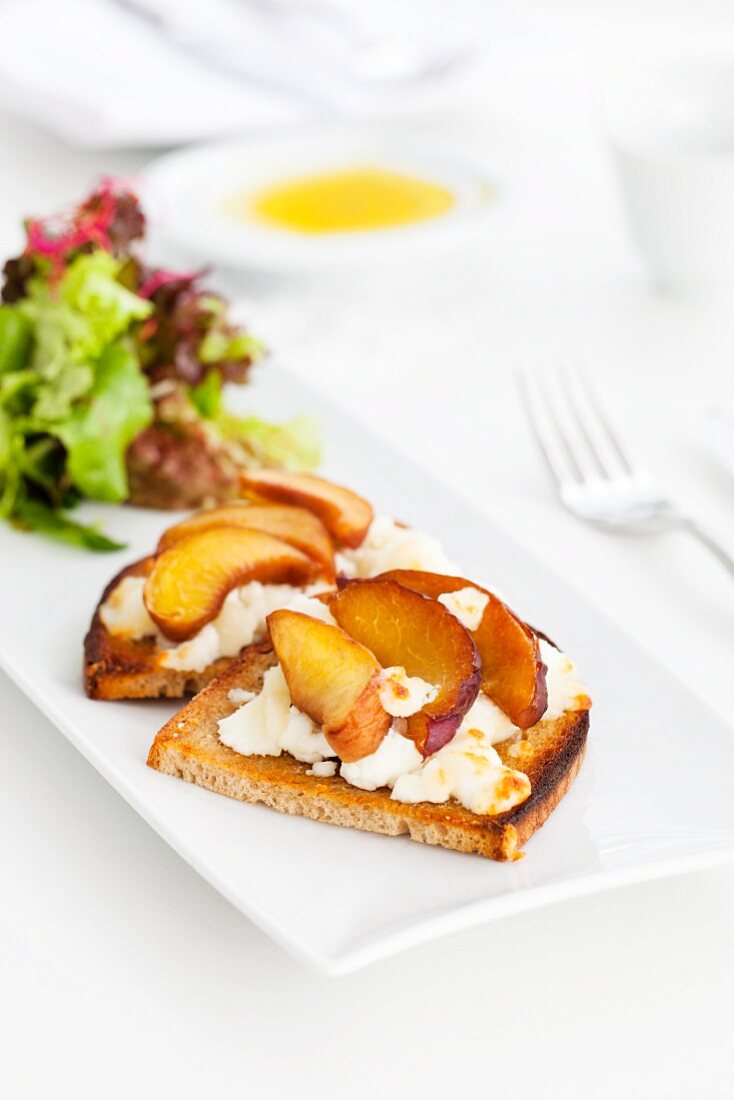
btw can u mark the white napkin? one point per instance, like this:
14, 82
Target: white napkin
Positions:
100, 76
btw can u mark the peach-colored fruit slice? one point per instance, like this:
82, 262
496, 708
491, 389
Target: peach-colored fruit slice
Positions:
296, 526
346, 515
188, 583
401, 627
513, 674
333, 679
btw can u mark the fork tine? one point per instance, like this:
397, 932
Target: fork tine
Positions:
571, 429
550, 439
604, 441
568, 384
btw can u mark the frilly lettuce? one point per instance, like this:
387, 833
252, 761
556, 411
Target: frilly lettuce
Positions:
98, 431
72, 324
69, 375
294, 446
103, 359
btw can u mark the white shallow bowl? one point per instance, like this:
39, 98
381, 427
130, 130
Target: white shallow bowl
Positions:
645, 804
188, 191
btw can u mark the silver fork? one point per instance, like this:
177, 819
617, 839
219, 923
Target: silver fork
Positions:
595, 476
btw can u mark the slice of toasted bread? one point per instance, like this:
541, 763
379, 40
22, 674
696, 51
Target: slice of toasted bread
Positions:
122, 668
188, 746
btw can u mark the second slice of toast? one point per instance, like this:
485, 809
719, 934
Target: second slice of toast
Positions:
116, 667
188, 746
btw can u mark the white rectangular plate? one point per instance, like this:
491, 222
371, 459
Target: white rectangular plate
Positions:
646, 804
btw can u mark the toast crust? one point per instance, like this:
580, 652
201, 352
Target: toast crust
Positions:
188, 746
123, 668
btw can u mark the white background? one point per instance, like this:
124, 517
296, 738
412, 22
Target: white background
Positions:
121, 972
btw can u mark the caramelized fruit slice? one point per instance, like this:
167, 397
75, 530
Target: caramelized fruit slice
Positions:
513, 674
188, 583
404, 628
333, 679
295, 526
346, 515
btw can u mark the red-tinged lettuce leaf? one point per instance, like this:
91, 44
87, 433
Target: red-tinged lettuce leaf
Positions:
110, 219
189, 336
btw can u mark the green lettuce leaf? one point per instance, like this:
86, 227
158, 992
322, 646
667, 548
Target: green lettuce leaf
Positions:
294, 446
73, 322
218, 346
99, 430
54, 399
90, 290
33, 515
8, 463
16, 336
207, 396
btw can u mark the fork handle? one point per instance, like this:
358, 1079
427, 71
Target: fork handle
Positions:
711, 541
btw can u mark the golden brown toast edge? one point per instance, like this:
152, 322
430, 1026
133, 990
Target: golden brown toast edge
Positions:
120, 668
188, 746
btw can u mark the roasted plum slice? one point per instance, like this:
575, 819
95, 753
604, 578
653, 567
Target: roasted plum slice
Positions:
333, 679
513, 673
188, 584
345, 515
296, 526
402, 627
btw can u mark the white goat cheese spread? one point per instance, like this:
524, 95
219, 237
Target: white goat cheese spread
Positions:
395, 756
239, 696
124, 612
387, 545
402, 695
467, 605
324, 769
467, 769
269, 725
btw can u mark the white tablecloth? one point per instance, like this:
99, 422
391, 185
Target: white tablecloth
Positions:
123, 974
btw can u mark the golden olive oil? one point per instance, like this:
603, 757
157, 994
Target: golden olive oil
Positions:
346, 201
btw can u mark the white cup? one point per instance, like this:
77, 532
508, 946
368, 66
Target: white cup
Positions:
671, 128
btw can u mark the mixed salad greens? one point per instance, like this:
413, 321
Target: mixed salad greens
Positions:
111, 376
